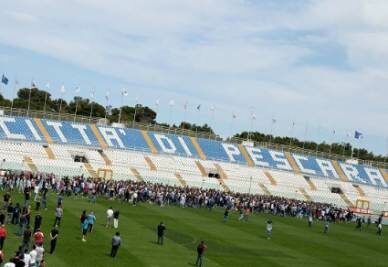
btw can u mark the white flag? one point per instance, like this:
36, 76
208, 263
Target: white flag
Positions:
63, 89
48, 85
124, 92
92, 94
77, 89
157, 102
107, 95
171, 103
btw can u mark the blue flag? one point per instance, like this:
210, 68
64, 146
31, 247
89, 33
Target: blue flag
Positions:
199, 107
357, 135
4, 79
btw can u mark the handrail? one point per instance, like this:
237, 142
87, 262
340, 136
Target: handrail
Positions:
17, 112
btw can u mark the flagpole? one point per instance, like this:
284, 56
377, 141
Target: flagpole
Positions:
13, 93
29, 99
134, 114
121, 106
292, 133
91, 105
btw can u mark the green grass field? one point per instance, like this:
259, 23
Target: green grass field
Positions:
231, 244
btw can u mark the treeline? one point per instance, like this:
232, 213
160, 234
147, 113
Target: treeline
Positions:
43, 100
344, 149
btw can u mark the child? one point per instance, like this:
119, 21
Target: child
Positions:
326, 229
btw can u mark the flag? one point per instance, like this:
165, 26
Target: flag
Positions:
293, 123
107, 95
333, 132
185, 105
4, 79
234, 116
199, 107
253, 116
124, 92
357, 135
108, 110
77, 89
212, 108
63, 89
273, 120
92, 94
171, 103
48, 85
157, 102
33, 84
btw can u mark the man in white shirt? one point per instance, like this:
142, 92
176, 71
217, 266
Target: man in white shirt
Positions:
109, 217
39, 254
33, 255
26, 258
9, 264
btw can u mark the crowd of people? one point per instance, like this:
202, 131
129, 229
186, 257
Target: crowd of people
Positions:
35, 187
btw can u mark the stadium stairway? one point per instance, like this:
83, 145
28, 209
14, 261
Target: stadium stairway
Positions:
180, 179
31, 165
265, 189
49, 152
270, 178
245, 155
292, 162
201, 168
223, 185
339, 170
44, 131
346, 200
148, 140
198, 148
98, 136
311, 184
137, 175
150, 163
305, 194
105, 157
384, 173
220, 171
359, 190
90, 170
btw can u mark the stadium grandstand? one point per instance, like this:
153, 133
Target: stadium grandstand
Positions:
98, 149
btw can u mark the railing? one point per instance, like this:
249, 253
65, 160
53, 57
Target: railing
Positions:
158, 128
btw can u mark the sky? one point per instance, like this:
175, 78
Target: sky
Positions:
320, 65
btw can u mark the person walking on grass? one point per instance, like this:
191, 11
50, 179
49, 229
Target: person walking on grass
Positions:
109, 217
3, 235
54, 237
38, 238
201, 248
26, 238
37, 222
85, 229
116, 215
269, 229
91, 219
58, 215
226, 215
160, 232
116, 243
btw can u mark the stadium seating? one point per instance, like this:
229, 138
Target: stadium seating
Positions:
54, 146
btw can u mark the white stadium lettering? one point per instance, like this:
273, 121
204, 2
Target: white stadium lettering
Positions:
57, 127
82, 130
110, 135
231, 151
161, 139
33, 130
256, 156
184, 146
327, 168
298, 160
7, 131
280, 159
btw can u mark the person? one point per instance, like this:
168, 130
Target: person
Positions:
38, 238
369, 221
16, 214
91, 220
116, 242
33, 255
58, 215
26, 238
2, 257
109, 217
54, 237
83, 218
116, 215
310, 220
380, 229
85, 228
326, 227
201, 248
26, 258
160, 231
9, 213
3, 235
2, 218
226, 215
44, 200
269, 229
37, 222
359, 224
39, 254
10, 264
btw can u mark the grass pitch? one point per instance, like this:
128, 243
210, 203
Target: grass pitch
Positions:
231, 244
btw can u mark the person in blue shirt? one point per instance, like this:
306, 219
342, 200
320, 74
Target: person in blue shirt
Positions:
91, 219
85, 228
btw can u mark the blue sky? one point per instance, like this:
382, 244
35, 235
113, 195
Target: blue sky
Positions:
321, 64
